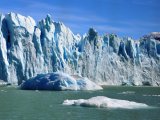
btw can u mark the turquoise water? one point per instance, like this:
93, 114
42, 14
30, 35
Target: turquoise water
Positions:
47, 105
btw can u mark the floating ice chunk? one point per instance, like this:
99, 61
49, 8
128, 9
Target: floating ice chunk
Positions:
127, 92
86, 84
105, 102
59, 81
50, 81
152, 95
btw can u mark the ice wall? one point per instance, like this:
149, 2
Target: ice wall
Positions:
28, 49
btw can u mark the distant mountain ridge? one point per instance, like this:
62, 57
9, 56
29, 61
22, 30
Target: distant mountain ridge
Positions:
28, 49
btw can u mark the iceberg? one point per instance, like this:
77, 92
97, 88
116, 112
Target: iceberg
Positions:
28, 48
59, 81
105, 102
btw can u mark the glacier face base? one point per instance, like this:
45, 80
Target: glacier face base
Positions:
28, 49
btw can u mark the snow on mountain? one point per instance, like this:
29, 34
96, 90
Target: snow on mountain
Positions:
28, 49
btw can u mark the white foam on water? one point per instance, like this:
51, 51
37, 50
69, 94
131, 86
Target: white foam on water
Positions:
127, 92
3, 91
105, 102
152, 95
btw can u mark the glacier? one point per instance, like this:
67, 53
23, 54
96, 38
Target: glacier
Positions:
105, 102
28, 48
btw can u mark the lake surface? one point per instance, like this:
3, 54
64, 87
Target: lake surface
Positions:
47, 105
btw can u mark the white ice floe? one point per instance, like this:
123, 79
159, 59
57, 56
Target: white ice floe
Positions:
152, 95
127, 92
105, 102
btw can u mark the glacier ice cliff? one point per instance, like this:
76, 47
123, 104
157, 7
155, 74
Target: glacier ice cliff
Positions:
28, 48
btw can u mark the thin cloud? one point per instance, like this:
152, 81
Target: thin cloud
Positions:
152, 3
99, 28
82, 18
110, 28
61, 12
139, 23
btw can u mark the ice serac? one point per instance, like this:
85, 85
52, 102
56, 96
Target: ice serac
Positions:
28, 49
20, 48
3, 50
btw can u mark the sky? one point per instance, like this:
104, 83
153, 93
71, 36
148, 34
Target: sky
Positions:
133, 18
